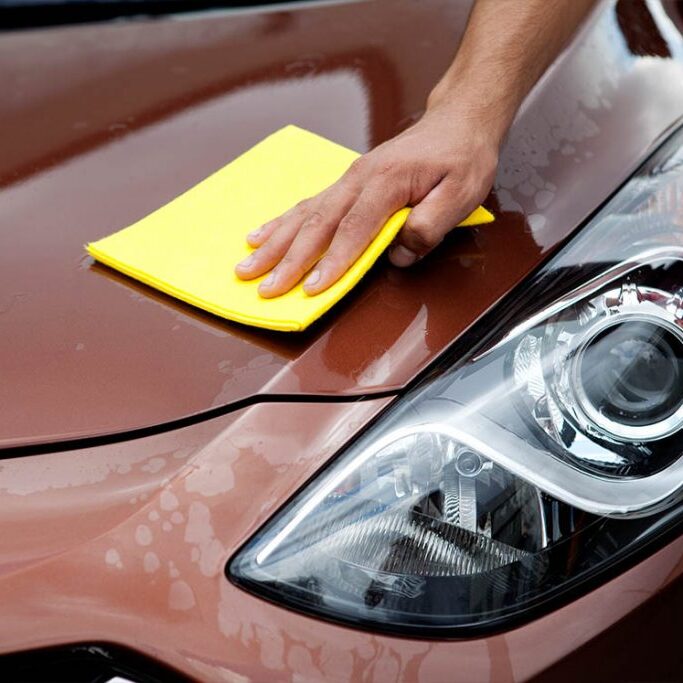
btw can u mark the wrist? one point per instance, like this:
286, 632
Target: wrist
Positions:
466, 99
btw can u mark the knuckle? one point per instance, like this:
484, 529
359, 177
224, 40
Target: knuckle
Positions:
386, 169
292, 265
276, 245
266, 253
300, 207
462, 195
421, 181
314, 220
465, 191
395, 190
423, 236
472, 184
354, 223
475, 182
357, 168
276, 241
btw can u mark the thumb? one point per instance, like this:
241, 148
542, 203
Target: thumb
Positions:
429, 222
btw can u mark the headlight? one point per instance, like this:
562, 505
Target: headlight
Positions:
535, 458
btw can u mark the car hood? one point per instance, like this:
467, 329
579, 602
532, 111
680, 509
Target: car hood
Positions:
104, 124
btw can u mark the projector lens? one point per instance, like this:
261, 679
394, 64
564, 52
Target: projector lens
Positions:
632, 373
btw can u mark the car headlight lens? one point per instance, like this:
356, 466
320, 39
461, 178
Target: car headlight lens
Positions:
603, 377
527, 463
629, 375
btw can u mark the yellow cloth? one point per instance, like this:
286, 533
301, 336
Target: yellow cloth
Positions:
190, 247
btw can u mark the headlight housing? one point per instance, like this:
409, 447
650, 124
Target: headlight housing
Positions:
524, 466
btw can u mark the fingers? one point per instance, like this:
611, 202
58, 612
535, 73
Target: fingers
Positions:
355, 232
258, 237
282, 232
312, 239
429, 222
343, 220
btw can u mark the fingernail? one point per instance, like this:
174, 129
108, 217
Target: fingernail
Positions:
247, 262
312, 279
402, 257
254, 233
269, 281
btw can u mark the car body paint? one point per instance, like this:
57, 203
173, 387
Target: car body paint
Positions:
120, 118
127, 541
134, 538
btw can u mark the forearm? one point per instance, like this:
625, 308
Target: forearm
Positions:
507, 46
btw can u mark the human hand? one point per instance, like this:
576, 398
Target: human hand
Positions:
443, 167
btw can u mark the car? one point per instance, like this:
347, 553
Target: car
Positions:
467, 471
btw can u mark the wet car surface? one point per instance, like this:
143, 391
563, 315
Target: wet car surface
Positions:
144, 442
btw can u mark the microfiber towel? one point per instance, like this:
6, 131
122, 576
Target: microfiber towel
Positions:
189, 247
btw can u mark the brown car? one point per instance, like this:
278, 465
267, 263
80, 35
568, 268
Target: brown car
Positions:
467, 471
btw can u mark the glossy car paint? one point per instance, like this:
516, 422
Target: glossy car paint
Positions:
106, 123
126, 542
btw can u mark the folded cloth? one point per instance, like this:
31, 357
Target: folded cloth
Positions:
189, 247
